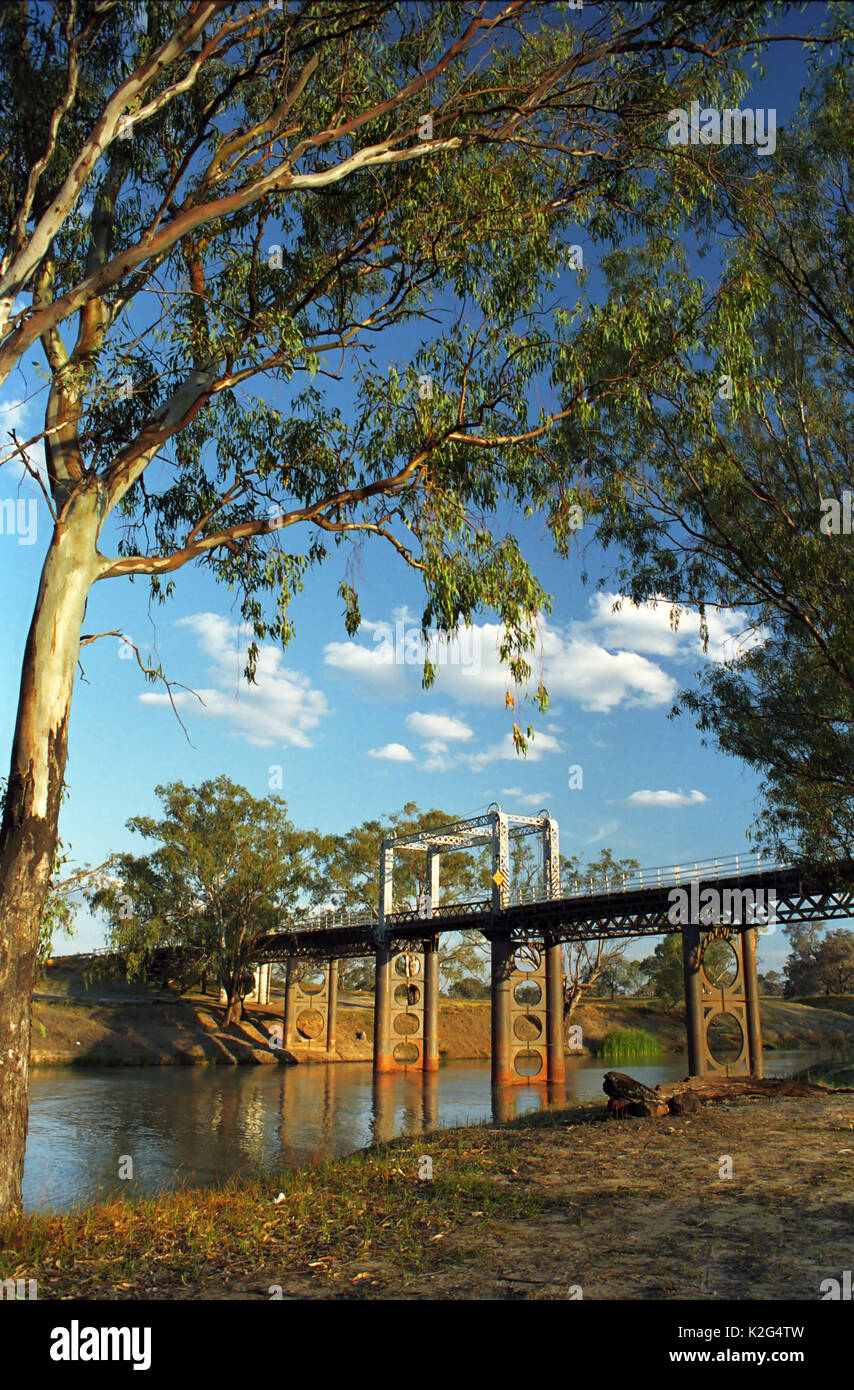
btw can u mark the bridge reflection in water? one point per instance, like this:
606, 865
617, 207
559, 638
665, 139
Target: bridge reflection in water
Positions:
200, 1125
395, 1108
526, 932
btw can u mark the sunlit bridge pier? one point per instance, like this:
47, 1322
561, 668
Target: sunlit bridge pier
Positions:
526, 930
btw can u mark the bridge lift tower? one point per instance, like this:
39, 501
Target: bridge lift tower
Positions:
527, 982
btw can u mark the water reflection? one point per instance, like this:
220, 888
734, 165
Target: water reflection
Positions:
201, 1124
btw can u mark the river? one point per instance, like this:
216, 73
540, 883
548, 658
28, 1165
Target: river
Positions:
199, 1124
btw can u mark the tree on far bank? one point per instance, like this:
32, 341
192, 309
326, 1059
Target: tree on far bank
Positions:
664, 970
622, 977
469, 987
820, 961
587, 963
228, 868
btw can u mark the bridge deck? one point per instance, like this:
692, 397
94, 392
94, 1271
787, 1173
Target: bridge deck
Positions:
631, 908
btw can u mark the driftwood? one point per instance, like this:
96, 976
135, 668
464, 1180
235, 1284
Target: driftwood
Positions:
626, 1096
727, 1087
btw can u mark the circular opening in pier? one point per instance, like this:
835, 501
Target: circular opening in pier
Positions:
313, 981
526, 959
407, 994
406, 1024
528, 1063
310, 1023
720, 963
724, 1037
527, 1027
528, 992
408, 965
405, 1054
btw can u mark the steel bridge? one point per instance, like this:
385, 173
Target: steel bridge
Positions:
726, 898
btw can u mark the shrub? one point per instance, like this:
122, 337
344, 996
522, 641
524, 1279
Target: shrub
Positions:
629, 1042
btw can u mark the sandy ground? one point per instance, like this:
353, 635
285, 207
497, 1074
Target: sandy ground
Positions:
637, 1209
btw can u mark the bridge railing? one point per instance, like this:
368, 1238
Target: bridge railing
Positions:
668, 876
733, 866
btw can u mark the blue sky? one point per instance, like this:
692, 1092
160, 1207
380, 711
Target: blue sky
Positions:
345, 733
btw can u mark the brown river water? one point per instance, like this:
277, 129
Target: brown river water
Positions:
200, 1124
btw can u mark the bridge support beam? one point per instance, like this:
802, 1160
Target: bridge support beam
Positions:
431, 1003
430, 947
332, 1008
502, 964
260, 993
706, 1002
693, 1000
383, 1059
751, 994
289, 1018
502, 956
555, 1058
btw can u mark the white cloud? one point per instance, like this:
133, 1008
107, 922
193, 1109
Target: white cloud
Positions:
646, 627
537, 799
569, 666
663, 798
281, 708
440, 761
394, 657
364, 663
542, 743
571, 662
438, 726
601, 833
13, 415
392, 753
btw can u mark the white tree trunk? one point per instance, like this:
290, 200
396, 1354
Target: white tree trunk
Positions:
29, 831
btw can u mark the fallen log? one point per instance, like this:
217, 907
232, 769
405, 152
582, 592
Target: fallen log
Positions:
627, 1096
729, 1087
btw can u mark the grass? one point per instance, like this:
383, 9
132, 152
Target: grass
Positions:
366, 1205
834, 1075
834, 1003
628, 1042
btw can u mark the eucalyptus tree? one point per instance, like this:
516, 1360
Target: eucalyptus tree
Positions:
67, 884
199, 197
228, 867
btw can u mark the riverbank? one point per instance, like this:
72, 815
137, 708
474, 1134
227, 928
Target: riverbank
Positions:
86, 1022
545, 1207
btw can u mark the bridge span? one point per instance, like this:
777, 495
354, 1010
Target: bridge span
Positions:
725, 899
